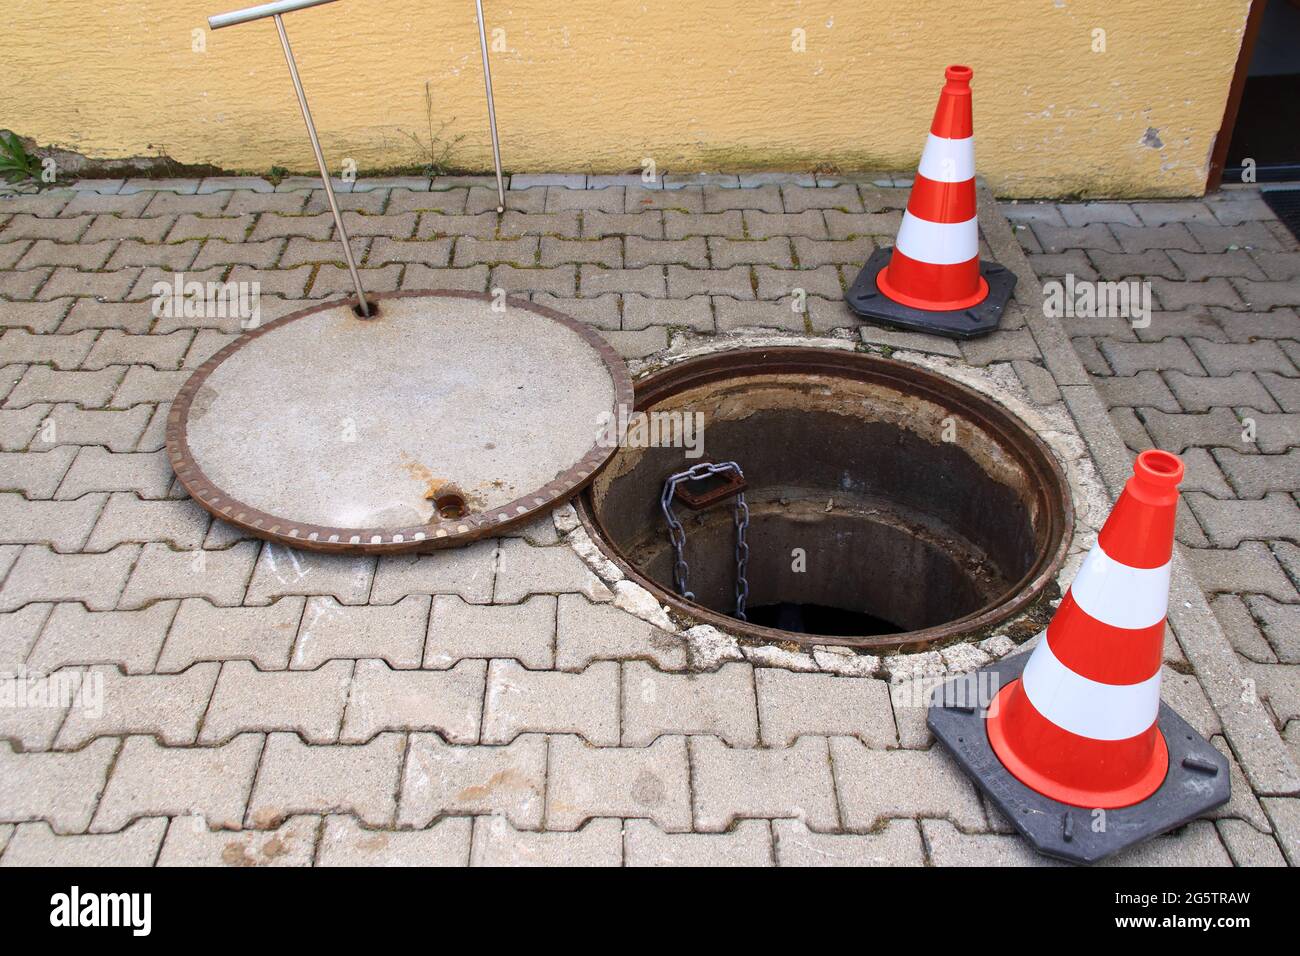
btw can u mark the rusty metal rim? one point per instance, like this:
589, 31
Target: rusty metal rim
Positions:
1034, 454
435, 534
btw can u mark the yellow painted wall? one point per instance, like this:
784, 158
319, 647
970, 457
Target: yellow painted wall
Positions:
598, 85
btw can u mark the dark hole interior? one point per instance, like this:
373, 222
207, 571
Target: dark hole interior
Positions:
817, 619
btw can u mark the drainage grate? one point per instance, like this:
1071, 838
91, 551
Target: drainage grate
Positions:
1285, 203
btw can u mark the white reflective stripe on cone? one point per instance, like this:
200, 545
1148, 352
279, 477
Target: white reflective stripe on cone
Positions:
948, 160
1086, 707
938, 243
1118, 595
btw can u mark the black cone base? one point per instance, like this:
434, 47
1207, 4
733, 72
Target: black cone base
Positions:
1197, 780
868, 302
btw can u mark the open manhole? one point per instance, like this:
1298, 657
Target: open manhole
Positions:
889, 507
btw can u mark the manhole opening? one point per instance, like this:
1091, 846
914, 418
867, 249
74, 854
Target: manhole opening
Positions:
889, 507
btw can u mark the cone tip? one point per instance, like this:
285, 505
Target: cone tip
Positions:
1158, 469
958, 73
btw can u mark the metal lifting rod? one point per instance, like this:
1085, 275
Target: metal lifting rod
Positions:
492, 113
274, 10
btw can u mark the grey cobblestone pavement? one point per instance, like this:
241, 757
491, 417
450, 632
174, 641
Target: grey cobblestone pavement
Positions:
498, 704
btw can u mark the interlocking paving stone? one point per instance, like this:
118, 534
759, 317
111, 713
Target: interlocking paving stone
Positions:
281, 571
115, 347
735, 281
119, 431
791, 705
789, 782
330, 630
345, 843
556, 280
587, 632
43, 383
204, 632
637, 344
567, 224
1176, 433
1250, 567
63, 352
897, 843
875, 785
1281, 624
19, 629
189, 842
1284, 813
721, 703
160, 573
681, 225
40, 574
1247, 846
130, 640
98, 469
127, 518
496, 843
63, 525
295, 777
308, 702
35, 844
449, 702
694, 312
521, 701
1200, 393
40, 317
603, 312
585, 782
468, 572
646, 280
441, 778
166, 706
644, 198
749, 844
1240, 628
733, 314
32, 721
523, 569
638, 251
59, 788
525, 632
1228, 523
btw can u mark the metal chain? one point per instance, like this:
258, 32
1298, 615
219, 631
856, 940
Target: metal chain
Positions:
677, 534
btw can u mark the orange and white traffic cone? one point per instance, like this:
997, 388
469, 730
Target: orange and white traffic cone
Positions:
932, 280
1082, 725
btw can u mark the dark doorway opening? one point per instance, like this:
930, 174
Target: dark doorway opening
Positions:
1260, 141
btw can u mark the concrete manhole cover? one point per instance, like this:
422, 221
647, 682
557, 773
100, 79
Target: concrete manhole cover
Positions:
442, 420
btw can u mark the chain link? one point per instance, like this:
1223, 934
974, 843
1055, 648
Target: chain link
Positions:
677, 534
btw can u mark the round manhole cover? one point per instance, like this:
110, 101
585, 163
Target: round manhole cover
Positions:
439, 421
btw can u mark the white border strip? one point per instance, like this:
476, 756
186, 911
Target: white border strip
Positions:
1118, 595
938, 243
1086, 707
948, 160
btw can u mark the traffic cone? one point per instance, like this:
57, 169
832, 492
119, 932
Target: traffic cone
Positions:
933, 280
1078, 723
